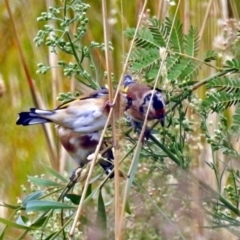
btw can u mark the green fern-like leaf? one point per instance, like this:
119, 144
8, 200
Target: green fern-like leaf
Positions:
228, 85
176, 38
172, 61
178, 65
232, 65
144, 59
210, 56
191, 45
218, 101
191, 70
236, 120
191, 42
182, 50
158, 31
144, 38
181, 68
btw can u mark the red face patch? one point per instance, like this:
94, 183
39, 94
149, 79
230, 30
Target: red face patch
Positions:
129, 95
160, 113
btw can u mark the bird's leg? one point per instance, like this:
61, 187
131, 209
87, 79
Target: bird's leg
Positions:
73, 179
146, 135
107, 160
137, 126
75, 175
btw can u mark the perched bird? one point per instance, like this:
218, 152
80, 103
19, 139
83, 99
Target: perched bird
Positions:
80, 146
138, 98
85, 114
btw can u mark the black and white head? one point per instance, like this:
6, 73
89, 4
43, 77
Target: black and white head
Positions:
158, 101
157, 106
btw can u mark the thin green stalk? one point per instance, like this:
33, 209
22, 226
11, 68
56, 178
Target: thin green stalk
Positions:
23, 234
6, 226
93, 83
235, 187
209, 7
166, 150
228, 204
214, 193
62, 228
49, 212
206, 80
74, 51
197, 60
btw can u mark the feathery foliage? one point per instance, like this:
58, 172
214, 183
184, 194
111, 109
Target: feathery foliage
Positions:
67, 39
182, 65
223, 94
182, 50
236, 120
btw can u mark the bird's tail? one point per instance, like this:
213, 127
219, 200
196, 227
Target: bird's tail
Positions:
107, 164
35, 116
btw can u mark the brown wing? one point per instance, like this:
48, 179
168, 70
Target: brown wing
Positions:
136, 91
93, 94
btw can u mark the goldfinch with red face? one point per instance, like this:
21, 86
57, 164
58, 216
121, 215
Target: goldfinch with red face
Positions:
138, 98
80, 146
85, 114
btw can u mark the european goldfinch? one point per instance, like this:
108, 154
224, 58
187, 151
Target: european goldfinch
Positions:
138, 98
86, 114
81, 146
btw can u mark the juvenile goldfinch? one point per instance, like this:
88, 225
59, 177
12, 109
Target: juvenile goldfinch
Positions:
138, 98
81, 146
85, 114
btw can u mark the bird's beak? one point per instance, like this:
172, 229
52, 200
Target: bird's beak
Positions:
161, 120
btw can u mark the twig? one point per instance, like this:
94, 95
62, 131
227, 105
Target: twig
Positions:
80, 206
209, 7
114, 130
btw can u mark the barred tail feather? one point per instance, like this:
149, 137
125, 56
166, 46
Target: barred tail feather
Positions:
30, 118
107, 164
108, 168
